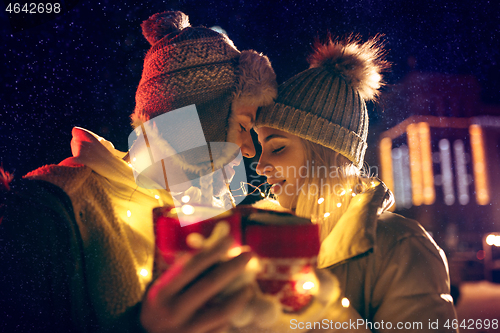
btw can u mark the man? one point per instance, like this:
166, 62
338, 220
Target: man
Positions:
77, 237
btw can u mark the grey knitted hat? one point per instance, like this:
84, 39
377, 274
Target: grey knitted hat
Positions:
326, 104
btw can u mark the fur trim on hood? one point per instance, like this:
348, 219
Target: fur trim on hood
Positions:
256, 84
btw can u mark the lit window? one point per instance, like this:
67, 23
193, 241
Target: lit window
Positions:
478, 158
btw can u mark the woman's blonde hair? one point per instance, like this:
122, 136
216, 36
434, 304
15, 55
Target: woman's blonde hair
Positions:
329, 185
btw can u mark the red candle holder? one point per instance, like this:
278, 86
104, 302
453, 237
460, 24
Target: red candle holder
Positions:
286, 246
172, 238
287, 256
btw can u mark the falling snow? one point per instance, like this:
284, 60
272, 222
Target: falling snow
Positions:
82, 68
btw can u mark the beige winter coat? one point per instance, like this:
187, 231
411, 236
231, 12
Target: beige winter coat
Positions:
390, 270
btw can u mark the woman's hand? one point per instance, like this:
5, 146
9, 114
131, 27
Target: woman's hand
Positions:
177, 301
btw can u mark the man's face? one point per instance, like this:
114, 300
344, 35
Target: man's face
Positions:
240, 123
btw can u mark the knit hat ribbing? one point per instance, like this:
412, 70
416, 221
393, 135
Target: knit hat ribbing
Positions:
325, 104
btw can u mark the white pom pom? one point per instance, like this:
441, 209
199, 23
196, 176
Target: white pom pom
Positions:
359, 64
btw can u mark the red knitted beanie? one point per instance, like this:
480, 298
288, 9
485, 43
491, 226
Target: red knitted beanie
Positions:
196, 65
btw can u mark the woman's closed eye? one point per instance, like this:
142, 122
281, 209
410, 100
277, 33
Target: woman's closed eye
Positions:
243, 128
278, 150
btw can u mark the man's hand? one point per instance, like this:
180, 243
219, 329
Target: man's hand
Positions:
175, 303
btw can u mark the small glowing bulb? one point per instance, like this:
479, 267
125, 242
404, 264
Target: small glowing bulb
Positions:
144, 272
308, 285
447, 297
253, 264
186, 198
339, 204
130, 165
345, 302
188, 209
234, 252
354, 194
134, 159
129, 213
157, 196
326, 214
262, 194
320, 201
373, 184
490, 240
342, 193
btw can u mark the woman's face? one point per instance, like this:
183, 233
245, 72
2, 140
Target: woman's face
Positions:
283, 163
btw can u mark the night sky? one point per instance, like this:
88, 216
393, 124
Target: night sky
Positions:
82, 68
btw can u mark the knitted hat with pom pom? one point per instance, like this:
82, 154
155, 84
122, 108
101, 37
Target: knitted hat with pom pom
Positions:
196, 65
326, 104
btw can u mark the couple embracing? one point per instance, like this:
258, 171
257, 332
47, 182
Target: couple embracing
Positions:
87, 238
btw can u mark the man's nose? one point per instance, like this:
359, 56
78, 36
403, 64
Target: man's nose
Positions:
247, 146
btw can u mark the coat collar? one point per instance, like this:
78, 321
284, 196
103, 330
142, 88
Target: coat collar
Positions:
355, 232
100, 155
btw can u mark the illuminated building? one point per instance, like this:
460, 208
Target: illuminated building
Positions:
441, 158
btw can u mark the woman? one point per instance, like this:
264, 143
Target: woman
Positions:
313, 144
